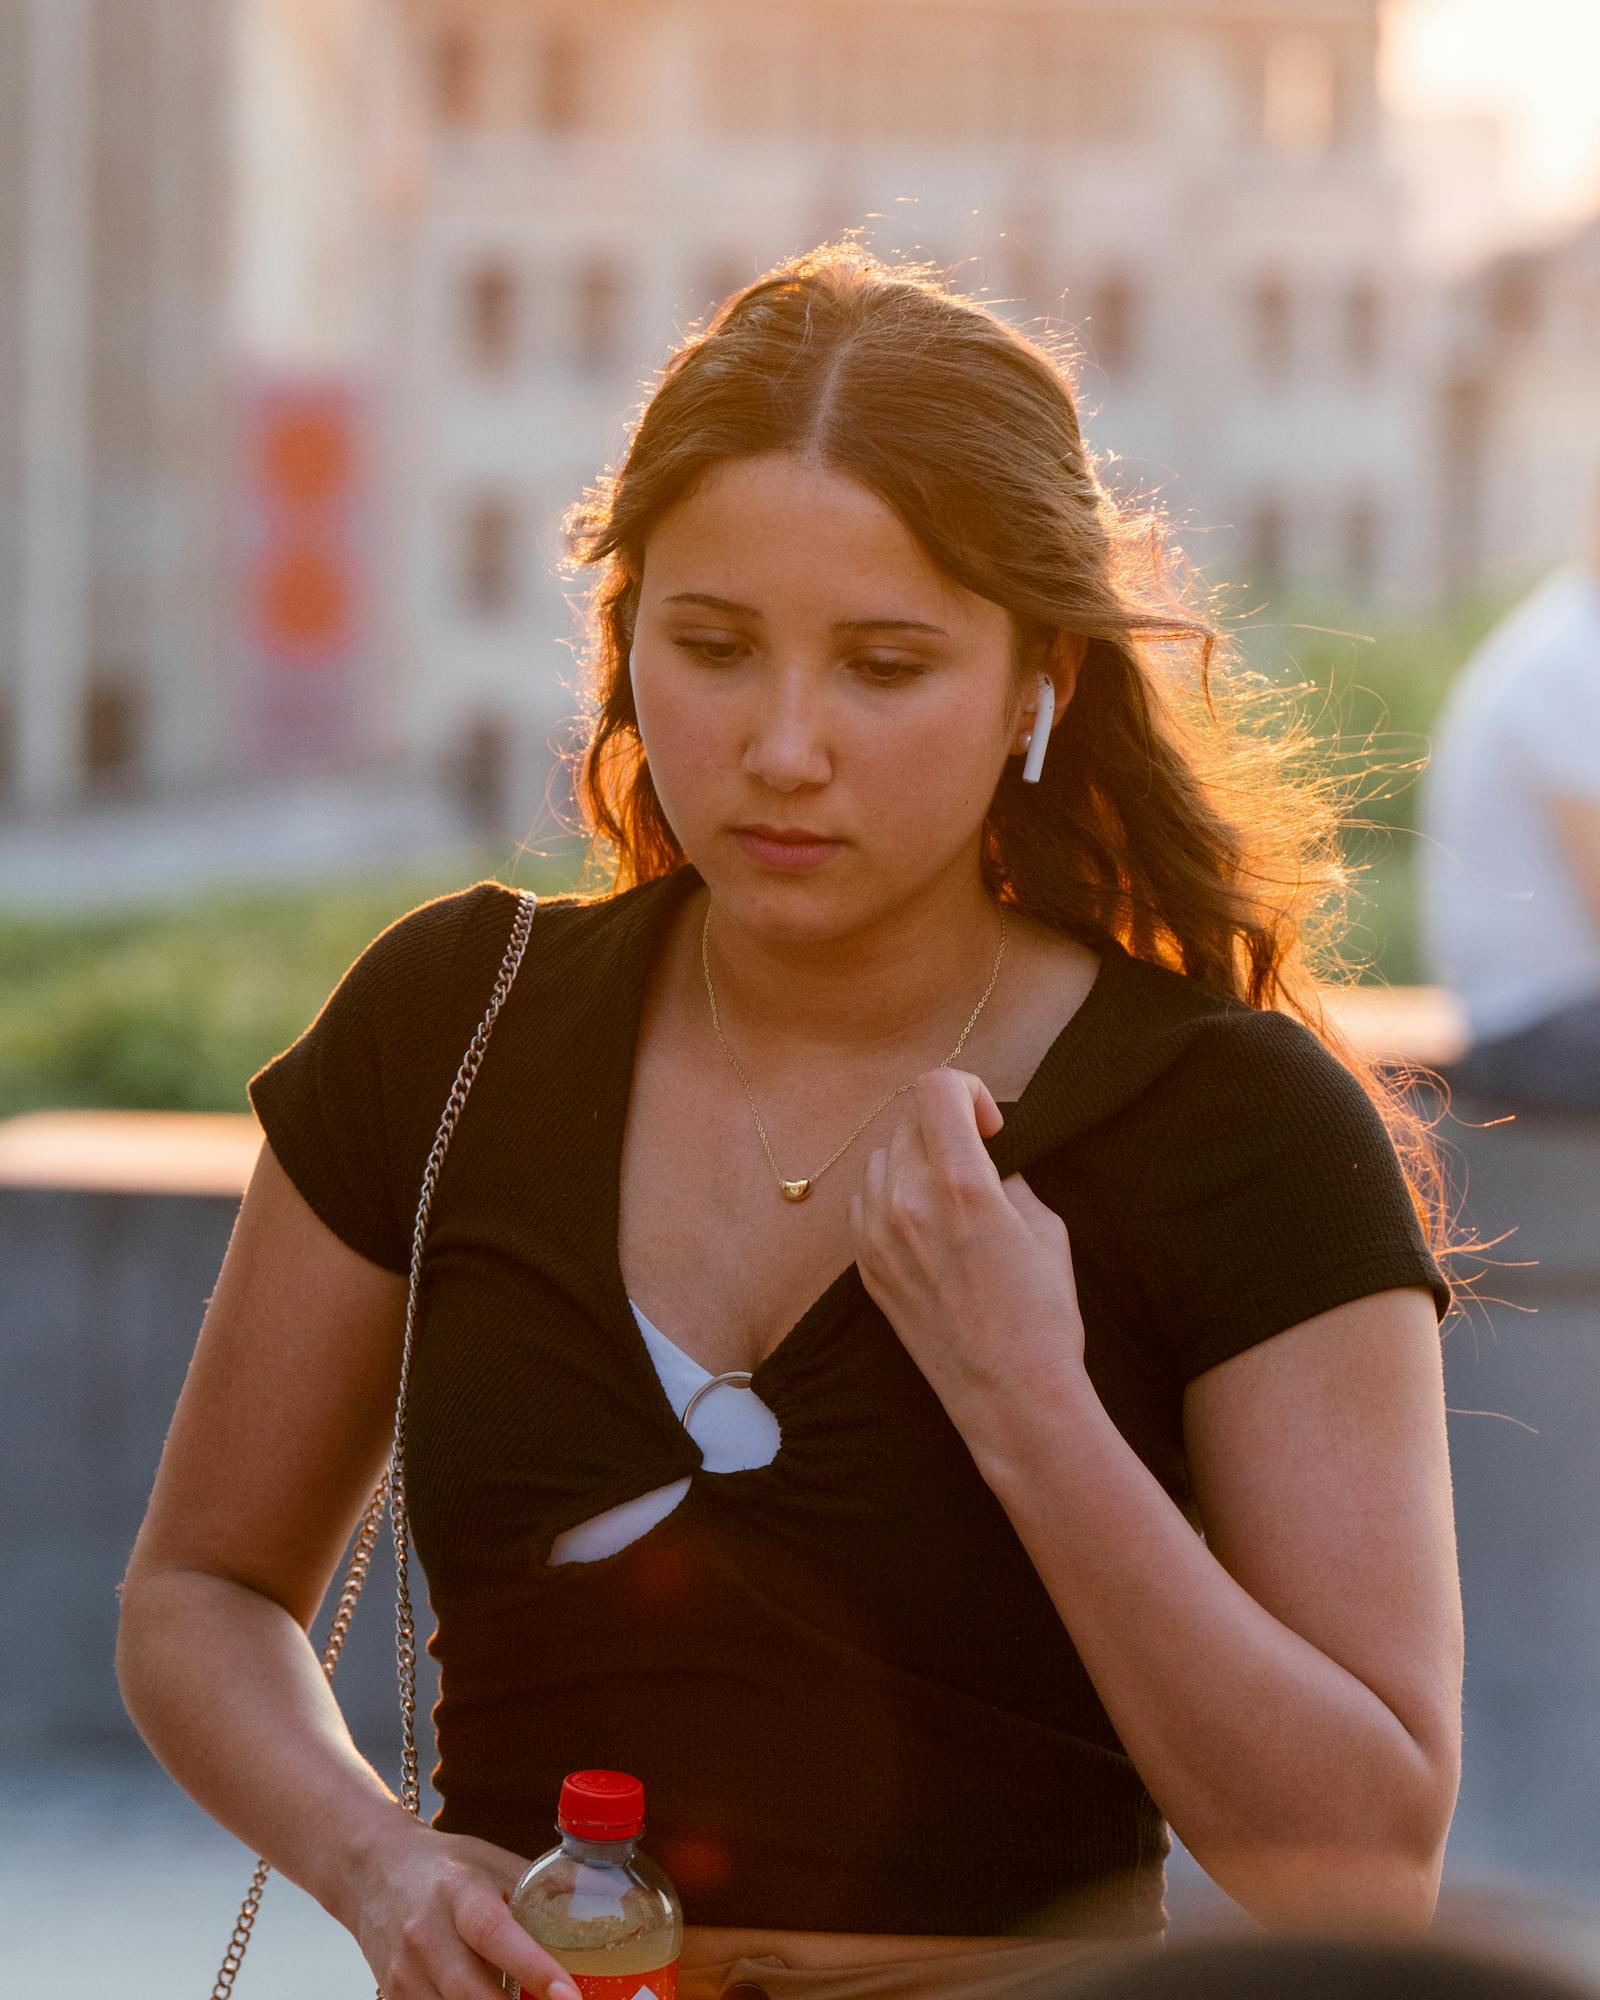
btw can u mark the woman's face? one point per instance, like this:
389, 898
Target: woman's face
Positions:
798, 661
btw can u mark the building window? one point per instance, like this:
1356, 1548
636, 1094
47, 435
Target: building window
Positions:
1299, 93
489, 581
114, 722
598, 313
1113, 323
1026, 264
718, 282
1512, 300
833, 209
558, 80
1271, 311
1353, 103
479, 769
492, 316
1360, 537
1269, 537
1466, 443
1363, 326
741, 75
455, 77
1108, 90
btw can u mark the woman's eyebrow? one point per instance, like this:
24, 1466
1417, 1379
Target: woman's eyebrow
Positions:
840, 625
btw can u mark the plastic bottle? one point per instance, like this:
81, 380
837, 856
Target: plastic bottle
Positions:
604, 1911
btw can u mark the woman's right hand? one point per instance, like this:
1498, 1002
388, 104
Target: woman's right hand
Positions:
428, 1910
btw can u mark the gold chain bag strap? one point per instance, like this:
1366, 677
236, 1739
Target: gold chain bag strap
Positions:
392, 1485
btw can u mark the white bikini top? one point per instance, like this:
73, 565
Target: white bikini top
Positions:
730, 1423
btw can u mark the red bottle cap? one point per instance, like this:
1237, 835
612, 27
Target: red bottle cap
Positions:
601, 1805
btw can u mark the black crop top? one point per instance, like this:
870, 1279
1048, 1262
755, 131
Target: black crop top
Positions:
851, 1700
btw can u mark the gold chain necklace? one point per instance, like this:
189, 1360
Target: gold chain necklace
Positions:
798, 1190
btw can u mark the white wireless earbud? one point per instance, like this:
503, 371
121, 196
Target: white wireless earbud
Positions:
1039, 735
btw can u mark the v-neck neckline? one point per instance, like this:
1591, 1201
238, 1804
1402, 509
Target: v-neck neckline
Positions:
1057, 1095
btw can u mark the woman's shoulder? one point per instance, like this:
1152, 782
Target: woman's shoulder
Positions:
432, 936
351, 1105
1267, 1186
1208, 1040
407, 998
1253, 1098
571, 931
1225, 1090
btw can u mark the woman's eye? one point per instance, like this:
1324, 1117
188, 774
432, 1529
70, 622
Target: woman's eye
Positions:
714, 650
897, 669
884, 673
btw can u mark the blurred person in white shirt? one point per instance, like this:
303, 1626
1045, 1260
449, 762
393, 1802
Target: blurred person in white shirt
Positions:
1510, 855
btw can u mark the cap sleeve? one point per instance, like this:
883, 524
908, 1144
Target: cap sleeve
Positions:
1273, 1193
350, 1107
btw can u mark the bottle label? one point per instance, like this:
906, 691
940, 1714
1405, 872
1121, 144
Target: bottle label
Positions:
662, 1984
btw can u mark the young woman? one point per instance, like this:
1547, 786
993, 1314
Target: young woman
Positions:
890, 1225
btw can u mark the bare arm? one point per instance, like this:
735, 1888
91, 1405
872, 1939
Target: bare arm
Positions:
1577, 824
1289, 1690
280, 1435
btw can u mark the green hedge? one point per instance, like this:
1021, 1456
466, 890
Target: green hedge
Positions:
1370, 693
174, 1009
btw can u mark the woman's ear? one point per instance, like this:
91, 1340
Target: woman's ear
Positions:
1065, 660
1061, 659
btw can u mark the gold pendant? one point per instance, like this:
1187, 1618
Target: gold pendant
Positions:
795, 1190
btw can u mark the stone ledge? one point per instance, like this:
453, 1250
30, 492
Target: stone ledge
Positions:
1415, 1026
130, 1152
213, 1152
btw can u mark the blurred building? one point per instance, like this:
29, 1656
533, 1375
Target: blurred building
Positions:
316, 314
114, 147
1520, 398
311, 677
1202, 195
193, 676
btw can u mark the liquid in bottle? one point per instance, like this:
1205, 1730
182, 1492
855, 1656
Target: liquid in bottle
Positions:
605, 1912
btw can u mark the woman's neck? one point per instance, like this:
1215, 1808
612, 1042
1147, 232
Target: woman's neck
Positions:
913, 979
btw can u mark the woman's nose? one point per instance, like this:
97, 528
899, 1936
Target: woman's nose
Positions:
788, 740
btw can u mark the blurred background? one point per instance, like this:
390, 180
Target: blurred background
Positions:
315, 314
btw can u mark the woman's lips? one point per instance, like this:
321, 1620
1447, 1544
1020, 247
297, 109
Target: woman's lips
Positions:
784, 853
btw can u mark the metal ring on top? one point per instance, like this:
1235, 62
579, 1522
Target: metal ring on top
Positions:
742, 1375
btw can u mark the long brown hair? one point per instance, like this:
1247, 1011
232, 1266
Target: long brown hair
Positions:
1183, 808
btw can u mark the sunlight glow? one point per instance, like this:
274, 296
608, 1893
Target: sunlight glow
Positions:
1534, 63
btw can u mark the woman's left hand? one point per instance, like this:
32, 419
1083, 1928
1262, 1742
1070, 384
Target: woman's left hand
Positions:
973, 1273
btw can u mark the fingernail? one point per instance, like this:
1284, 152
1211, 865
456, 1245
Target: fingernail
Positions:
563, 1989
